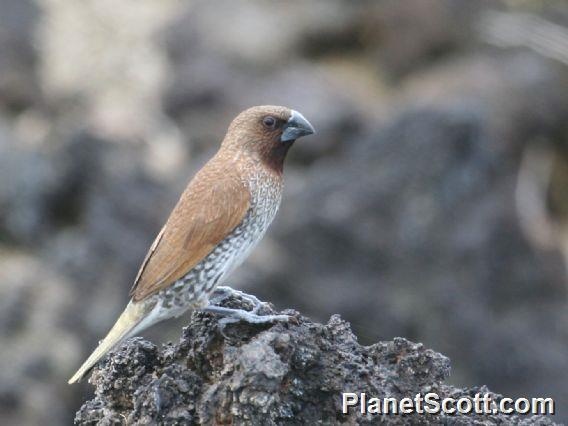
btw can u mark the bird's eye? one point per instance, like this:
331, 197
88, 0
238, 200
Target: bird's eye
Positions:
269, 121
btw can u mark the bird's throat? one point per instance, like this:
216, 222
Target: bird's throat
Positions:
276, 156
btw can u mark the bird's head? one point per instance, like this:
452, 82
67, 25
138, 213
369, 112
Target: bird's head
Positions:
267, 132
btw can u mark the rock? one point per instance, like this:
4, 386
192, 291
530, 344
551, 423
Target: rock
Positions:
19, 85
38, 341
285, 373
27, 181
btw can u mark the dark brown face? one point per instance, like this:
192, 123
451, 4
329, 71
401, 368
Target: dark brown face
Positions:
268, 131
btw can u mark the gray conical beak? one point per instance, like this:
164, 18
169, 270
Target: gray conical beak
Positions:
296, 127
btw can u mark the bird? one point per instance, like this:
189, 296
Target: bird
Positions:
220, 217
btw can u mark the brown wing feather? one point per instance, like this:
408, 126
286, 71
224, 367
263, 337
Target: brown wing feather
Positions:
214, 204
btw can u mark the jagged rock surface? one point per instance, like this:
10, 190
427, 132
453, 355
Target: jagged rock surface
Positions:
284, 373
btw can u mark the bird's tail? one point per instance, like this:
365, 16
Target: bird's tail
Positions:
130, 322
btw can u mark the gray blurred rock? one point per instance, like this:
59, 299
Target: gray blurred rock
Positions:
410, 35
19, 85
27, 180
38, 341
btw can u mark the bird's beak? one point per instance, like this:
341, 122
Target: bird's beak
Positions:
296, 127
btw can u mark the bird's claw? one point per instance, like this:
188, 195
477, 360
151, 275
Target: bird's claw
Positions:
252, 319
235, 315
221, 293
232, 315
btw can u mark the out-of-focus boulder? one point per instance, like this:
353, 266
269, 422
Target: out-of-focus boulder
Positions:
39, 341
19, 85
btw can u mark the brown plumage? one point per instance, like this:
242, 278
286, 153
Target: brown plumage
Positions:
219, 218
213, 204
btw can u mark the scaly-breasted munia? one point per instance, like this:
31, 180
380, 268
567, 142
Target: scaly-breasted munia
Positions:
222, 214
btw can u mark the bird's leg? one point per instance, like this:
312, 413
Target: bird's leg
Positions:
235, 315
221, 293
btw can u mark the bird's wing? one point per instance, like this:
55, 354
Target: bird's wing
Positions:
211, 207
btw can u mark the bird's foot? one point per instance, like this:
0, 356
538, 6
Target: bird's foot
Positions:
232, 315
235, 315
222, 293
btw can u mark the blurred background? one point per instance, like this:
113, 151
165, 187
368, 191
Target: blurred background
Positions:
432, 204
